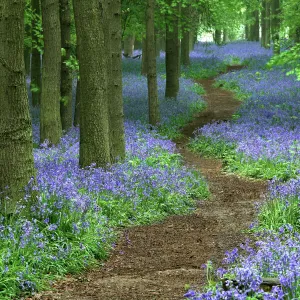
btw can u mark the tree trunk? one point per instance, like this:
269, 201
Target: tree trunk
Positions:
268, 24
275, 24
247, 32
185, 42
50, 124
27, 50
263, 24
172, 54
36, 76
225, 36
77, 104
129, 45
218, 34
144, 69
66, 112
254, 28
94, 120
16, 158
151, 63
137, 44
116, 113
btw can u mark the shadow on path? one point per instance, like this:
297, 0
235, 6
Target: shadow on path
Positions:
161, 258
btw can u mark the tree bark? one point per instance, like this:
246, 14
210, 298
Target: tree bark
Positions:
268, 24
27, 50
16, 158
50, 124
66, 112
254, 28
218, 35
116, 112
225, 36
144, 69
77, 104
172, 53
94, 120
263, 24
36, 66
129, 45
151, 63
185, 42
275, 25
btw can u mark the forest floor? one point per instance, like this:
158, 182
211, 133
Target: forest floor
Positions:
156, 261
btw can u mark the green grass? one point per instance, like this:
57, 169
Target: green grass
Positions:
242, 165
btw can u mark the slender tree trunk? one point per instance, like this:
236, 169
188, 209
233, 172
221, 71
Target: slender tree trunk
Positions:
116, 114
185, 42
247, 35
225, 36
218, 35
66, 112
263, 24
129, 45
268, 24
172, 54
36, 67
275, 25
254, 29
77, 104
137, 44
50, 124
16, 158
94, 117
144, 58
151, 61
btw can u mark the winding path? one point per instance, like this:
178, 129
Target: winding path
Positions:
156, 261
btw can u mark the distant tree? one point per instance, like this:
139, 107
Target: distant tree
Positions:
50, 124
172, 50
16, 158
66, 112
275, 24
185, 42
94, 117
151, 64
36, 75
218, 36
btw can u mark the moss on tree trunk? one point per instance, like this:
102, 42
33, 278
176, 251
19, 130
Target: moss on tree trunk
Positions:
16, 158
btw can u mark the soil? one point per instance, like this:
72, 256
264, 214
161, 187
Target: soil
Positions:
156, 261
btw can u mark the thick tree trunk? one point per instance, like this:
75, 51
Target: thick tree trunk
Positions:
50, 124
218, 35
172, 54
144, 68
275, 25
129, 45
94, 118
151, 62
116, 113
36, 76
16, 158
137, 44
66, 112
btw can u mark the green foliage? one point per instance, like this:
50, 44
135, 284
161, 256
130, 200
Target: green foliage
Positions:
290, 59
245, 166
34, 88
196, 71
275, 213
232, 86
172, 129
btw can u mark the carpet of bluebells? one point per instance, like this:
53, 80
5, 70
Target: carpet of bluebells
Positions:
261, 141
77, 214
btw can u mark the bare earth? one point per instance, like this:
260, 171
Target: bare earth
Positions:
156, 261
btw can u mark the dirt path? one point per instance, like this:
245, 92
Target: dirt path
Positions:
156, 261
